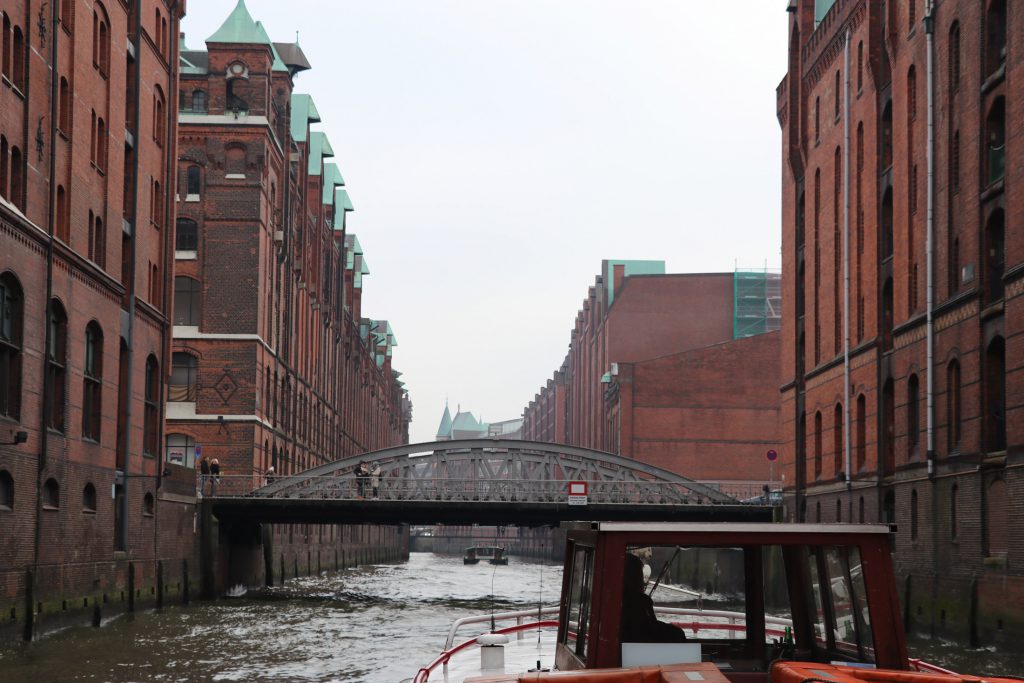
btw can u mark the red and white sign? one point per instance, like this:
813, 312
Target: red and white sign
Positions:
577, 493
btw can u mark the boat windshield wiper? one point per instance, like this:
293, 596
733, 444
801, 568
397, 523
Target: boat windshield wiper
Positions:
664, 568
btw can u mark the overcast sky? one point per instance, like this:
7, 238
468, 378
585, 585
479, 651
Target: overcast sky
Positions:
497, 150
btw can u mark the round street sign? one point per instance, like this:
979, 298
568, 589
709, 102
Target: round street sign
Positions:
772, 455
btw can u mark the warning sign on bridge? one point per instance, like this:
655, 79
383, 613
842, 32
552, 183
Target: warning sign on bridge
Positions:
577, 493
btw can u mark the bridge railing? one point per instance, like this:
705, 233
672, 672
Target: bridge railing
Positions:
449, 489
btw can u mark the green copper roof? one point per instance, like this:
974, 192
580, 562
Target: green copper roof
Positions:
303, 113
278, 62
332, 179
239, 27
631, 268
343, 200
445, 428
319, 148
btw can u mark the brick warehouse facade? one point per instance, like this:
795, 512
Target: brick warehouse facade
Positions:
941, 458
273, 364
654, 373
86, 144
88, 198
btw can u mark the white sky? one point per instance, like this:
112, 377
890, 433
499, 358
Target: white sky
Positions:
497, 150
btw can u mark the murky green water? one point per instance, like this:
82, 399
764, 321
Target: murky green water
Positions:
374, 625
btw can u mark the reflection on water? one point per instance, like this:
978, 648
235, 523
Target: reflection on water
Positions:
989, 661
373, 624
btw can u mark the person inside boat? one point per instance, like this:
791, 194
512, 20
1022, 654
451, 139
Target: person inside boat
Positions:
639, 625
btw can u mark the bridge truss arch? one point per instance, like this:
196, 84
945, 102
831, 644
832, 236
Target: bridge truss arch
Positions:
494, 470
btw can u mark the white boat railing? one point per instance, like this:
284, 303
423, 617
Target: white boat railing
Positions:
520, 617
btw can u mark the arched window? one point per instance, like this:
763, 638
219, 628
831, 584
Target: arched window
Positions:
913, 515
887, 135
862, 457
97, 241
838, 442
887, 314
954, 521
5, 162
89, 498
954, 57
817, 445
101, 144
236, 103
148, 507
159, 116
995, 256
994, 389
889, 508
184, 377
56, 366
16, 194
6, 491
187, 293
911, 15
953, 406
888, 429
839, 510
860, 66
67, 15
995, 129
20, 77
186, 235
913, 415
5, 42
995, 36
51, 494
92, 382
817, 512
860, 513
180, 450
839, 94
66, 107
954, 163
817, 119
199, 101
887, 224
62, 227
11, 325
152, 410
996, 519
192, 182
100, 40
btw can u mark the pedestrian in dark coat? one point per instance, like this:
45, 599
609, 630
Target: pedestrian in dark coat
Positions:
214, 476
204, 474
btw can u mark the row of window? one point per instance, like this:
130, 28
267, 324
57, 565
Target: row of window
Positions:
993, 412
12, 173
14, 58
51, 496
995, 539
11, 356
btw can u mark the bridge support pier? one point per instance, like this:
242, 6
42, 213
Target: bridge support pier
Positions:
229, 553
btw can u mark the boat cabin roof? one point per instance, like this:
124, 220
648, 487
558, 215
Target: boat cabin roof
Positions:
742, 594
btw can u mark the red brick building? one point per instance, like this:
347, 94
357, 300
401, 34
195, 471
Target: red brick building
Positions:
87, 146
902, 391
654, 373
273, 363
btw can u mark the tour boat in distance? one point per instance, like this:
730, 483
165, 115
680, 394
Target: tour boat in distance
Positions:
720, 603
492, 553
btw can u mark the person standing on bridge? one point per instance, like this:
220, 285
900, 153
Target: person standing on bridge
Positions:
362, 474
204, 474
214, 476
375, 479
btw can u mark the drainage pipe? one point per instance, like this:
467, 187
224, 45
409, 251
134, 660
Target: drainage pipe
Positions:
846, 262
929, 25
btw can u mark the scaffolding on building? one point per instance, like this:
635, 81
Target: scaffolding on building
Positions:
757, 302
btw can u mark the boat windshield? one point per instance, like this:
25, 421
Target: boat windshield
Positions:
736, 602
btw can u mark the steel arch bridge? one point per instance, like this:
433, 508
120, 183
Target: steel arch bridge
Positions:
490, 470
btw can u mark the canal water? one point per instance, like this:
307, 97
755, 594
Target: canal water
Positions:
373, 625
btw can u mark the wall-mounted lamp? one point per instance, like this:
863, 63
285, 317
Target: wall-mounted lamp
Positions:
19, 438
